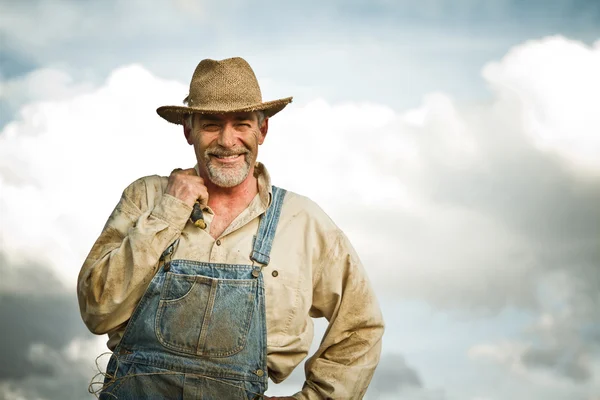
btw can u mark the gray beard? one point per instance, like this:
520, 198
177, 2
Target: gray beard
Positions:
228, 177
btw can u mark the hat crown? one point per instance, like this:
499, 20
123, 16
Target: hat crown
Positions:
226, 84
223, 86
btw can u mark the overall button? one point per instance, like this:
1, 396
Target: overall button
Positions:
218, 242
275, 274
255, 273
259, 372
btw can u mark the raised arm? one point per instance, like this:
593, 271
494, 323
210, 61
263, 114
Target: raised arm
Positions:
124, 259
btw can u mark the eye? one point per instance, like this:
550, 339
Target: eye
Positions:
210, 127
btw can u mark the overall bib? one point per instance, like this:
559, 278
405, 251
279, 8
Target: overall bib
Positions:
199, 331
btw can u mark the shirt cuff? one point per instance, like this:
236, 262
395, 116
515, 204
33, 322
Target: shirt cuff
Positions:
173, 211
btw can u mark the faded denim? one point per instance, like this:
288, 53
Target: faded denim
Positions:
199, 331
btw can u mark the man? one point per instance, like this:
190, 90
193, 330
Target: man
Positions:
206, 281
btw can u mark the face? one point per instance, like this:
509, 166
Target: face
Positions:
226, 145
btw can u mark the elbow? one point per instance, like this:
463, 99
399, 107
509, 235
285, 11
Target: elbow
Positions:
97, 326
100, 322
96, 316
97, 322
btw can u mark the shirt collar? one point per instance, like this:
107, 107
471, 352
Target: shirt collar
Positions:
265, 190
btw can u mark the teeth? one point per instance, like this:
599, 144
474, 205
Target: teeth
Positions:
234, 156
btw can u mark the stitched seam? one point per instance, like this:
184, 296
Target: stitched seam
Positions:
208, 312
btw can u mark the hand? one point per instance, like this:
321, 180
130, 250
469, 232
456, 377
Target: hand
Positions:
187, 186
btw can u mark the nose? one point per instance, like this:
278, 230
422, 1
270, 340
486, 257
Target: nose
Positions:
227, 136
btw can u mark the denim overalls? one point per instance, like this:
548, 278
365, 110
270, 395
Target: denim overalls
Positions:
199, 331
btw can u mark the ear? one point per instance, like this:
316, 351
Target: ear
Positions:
264, 128
187, 131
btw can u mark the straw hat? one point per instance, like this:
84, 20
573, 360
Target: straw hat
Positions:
222, 87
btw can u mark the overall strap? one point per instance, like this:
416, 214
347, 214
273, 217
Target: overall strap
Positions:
267, 227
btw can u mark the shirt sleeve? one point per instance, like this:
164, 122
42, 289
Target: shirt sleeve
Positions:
124, 258
345, 361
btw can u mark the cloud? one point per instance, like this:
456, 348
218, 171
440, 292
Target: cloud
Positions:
574, 365
388, 50
471, 208
466, 208
556, 84
563, 342
393, 374
56, 160
463, 193
39, 85
27, 278
51, 319
62, 373
48, 351
540, 367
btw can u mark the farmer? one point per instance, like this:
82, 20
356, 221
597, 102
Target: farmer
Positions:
206, 281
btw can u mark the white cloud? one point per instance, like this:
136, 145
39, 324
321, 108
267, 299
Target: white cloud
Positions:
64, 163
66, 157
79, 355
557, 85
464, 207
41, 84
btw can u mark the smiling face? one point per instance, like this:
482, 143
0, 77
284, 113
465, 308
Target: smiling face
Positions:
226, 145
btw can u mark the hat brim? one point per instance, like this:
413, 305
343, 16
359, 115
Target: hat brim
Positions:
175, 114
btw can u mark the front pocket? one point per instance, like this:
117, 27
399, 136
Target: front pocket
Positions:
205, 316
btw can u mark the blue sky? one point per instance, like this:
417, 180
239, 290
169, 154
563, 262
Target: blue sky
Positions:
465, 131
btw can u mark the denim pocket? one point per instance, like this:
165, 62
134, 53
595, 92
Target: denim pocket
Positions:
205, 316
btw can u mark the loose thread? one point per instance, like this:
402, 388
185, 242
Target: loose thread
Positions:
104, 383
109, 379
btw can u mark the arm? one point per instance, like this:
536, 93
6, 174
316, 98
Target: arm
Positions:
124, 259
343, 365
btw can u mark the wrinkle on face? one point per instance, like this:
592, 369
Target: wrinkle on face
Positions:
217, 137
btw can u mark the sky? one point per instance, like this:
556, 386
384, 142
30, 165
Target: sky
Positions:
463, 134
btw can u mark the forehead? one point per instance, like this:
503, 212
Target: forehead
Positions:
237, 116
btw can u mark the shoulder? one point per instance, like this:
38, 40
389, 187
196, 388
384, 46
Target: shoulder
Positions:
303, 214
298, 206
315, 230
144, 192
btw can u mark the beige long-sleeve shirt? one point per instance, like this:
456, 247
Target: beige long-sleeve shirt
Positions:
314, 272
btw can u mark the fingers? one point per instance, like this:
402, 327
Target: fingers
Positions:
186, 185
189, 171
186, 172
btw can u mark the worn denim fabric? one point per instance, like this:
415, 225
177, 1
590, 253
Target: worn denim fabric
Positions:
199, 331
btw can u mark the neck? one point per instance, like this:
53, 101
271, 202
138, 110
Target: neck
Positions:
237, 196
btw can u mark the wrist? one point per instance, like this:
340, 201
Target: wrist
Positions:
172, 210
